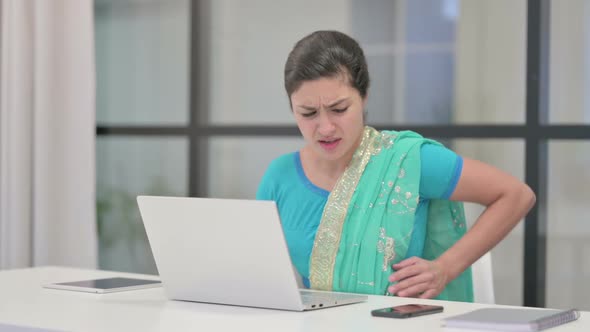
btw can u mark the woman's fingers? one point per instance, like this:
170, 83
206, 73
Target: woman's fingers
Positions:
406, 262
409, 282
417, 277
414, 290
406, 272
409, 267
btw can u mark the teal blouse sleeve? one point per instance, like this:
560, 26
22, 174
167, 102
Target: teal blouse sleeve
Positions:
440, 171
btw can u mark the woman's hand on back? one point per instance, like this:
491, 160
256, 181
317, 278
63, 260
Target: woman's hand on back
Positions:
417, 277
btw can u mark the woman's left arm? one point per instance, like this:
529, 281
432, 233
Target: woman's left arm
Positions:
507, 201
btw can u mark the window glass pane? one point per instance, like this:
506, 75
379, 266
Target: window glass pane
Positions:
250, 41
429, 97
568, 229
507, 256
430, 21
569, 62
142, 60
433, 62
127, 167
490, 59
253, 155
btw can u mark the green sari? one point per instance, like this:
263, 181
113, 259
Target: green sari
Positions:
374, 218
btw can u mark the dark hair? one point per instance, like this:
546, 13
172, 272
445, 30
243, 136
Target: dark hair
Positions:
326, 54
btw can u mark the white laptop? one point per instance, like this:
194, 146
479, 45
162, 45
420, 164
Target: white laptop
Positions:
227, 251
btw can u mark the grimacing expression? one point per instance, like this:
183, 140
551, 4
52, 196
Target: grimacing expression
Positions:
329, 114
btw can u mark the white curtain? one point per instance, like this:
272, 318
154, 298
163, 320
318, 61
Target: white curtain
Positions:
47, 134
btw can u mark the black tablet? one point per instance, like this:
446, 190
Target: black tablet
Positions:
106, 285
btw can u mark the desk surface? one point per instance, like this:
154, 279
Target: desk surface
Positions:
24, 302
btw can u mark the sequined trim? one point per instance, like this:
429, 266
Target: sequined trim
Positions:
386, 246
327, 241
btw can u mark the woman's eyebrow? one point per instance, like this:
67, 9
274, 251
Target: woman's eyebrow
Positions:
336, 102
309, 108
313, 108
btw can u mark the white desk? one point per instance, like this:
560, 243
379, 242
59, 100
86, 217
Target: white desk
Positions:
24, 302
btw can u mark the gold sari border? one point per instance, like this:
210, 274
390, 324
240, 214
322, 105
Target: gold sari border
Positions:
329, 233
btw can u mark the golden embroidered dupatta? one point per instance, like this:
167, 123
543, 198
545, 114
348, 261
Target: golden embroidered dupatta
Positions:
374, 218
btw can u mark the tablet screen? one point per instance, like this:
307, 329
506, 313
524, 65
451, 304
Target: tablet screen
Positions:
110, 283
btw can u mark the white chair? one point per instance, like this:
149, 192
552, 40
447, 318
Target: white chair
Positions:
483, 282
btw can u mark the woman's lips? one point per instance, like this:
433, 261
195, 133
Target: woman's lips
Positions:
330, 144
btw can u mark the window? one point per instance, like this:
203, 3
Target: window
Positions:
459, 71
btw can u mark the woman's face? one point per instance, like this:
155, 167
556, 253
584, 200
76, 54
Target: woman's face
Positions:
329, 114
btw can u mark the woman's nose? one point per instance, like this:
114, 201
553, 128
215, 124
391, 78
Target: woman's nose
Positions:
326, 126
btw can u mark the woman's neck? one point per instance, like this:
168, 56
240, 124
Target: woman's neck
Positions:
323, 167
322, 172
329, 166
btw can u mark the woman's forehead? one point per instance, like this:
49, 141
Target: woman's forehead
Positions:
323, 91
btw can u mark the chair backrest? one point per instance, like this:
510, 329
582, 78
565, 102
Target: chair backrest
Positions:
483, 282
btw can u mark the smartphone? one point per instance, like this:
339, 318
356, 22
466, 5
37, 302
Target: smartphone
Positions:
407, 311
